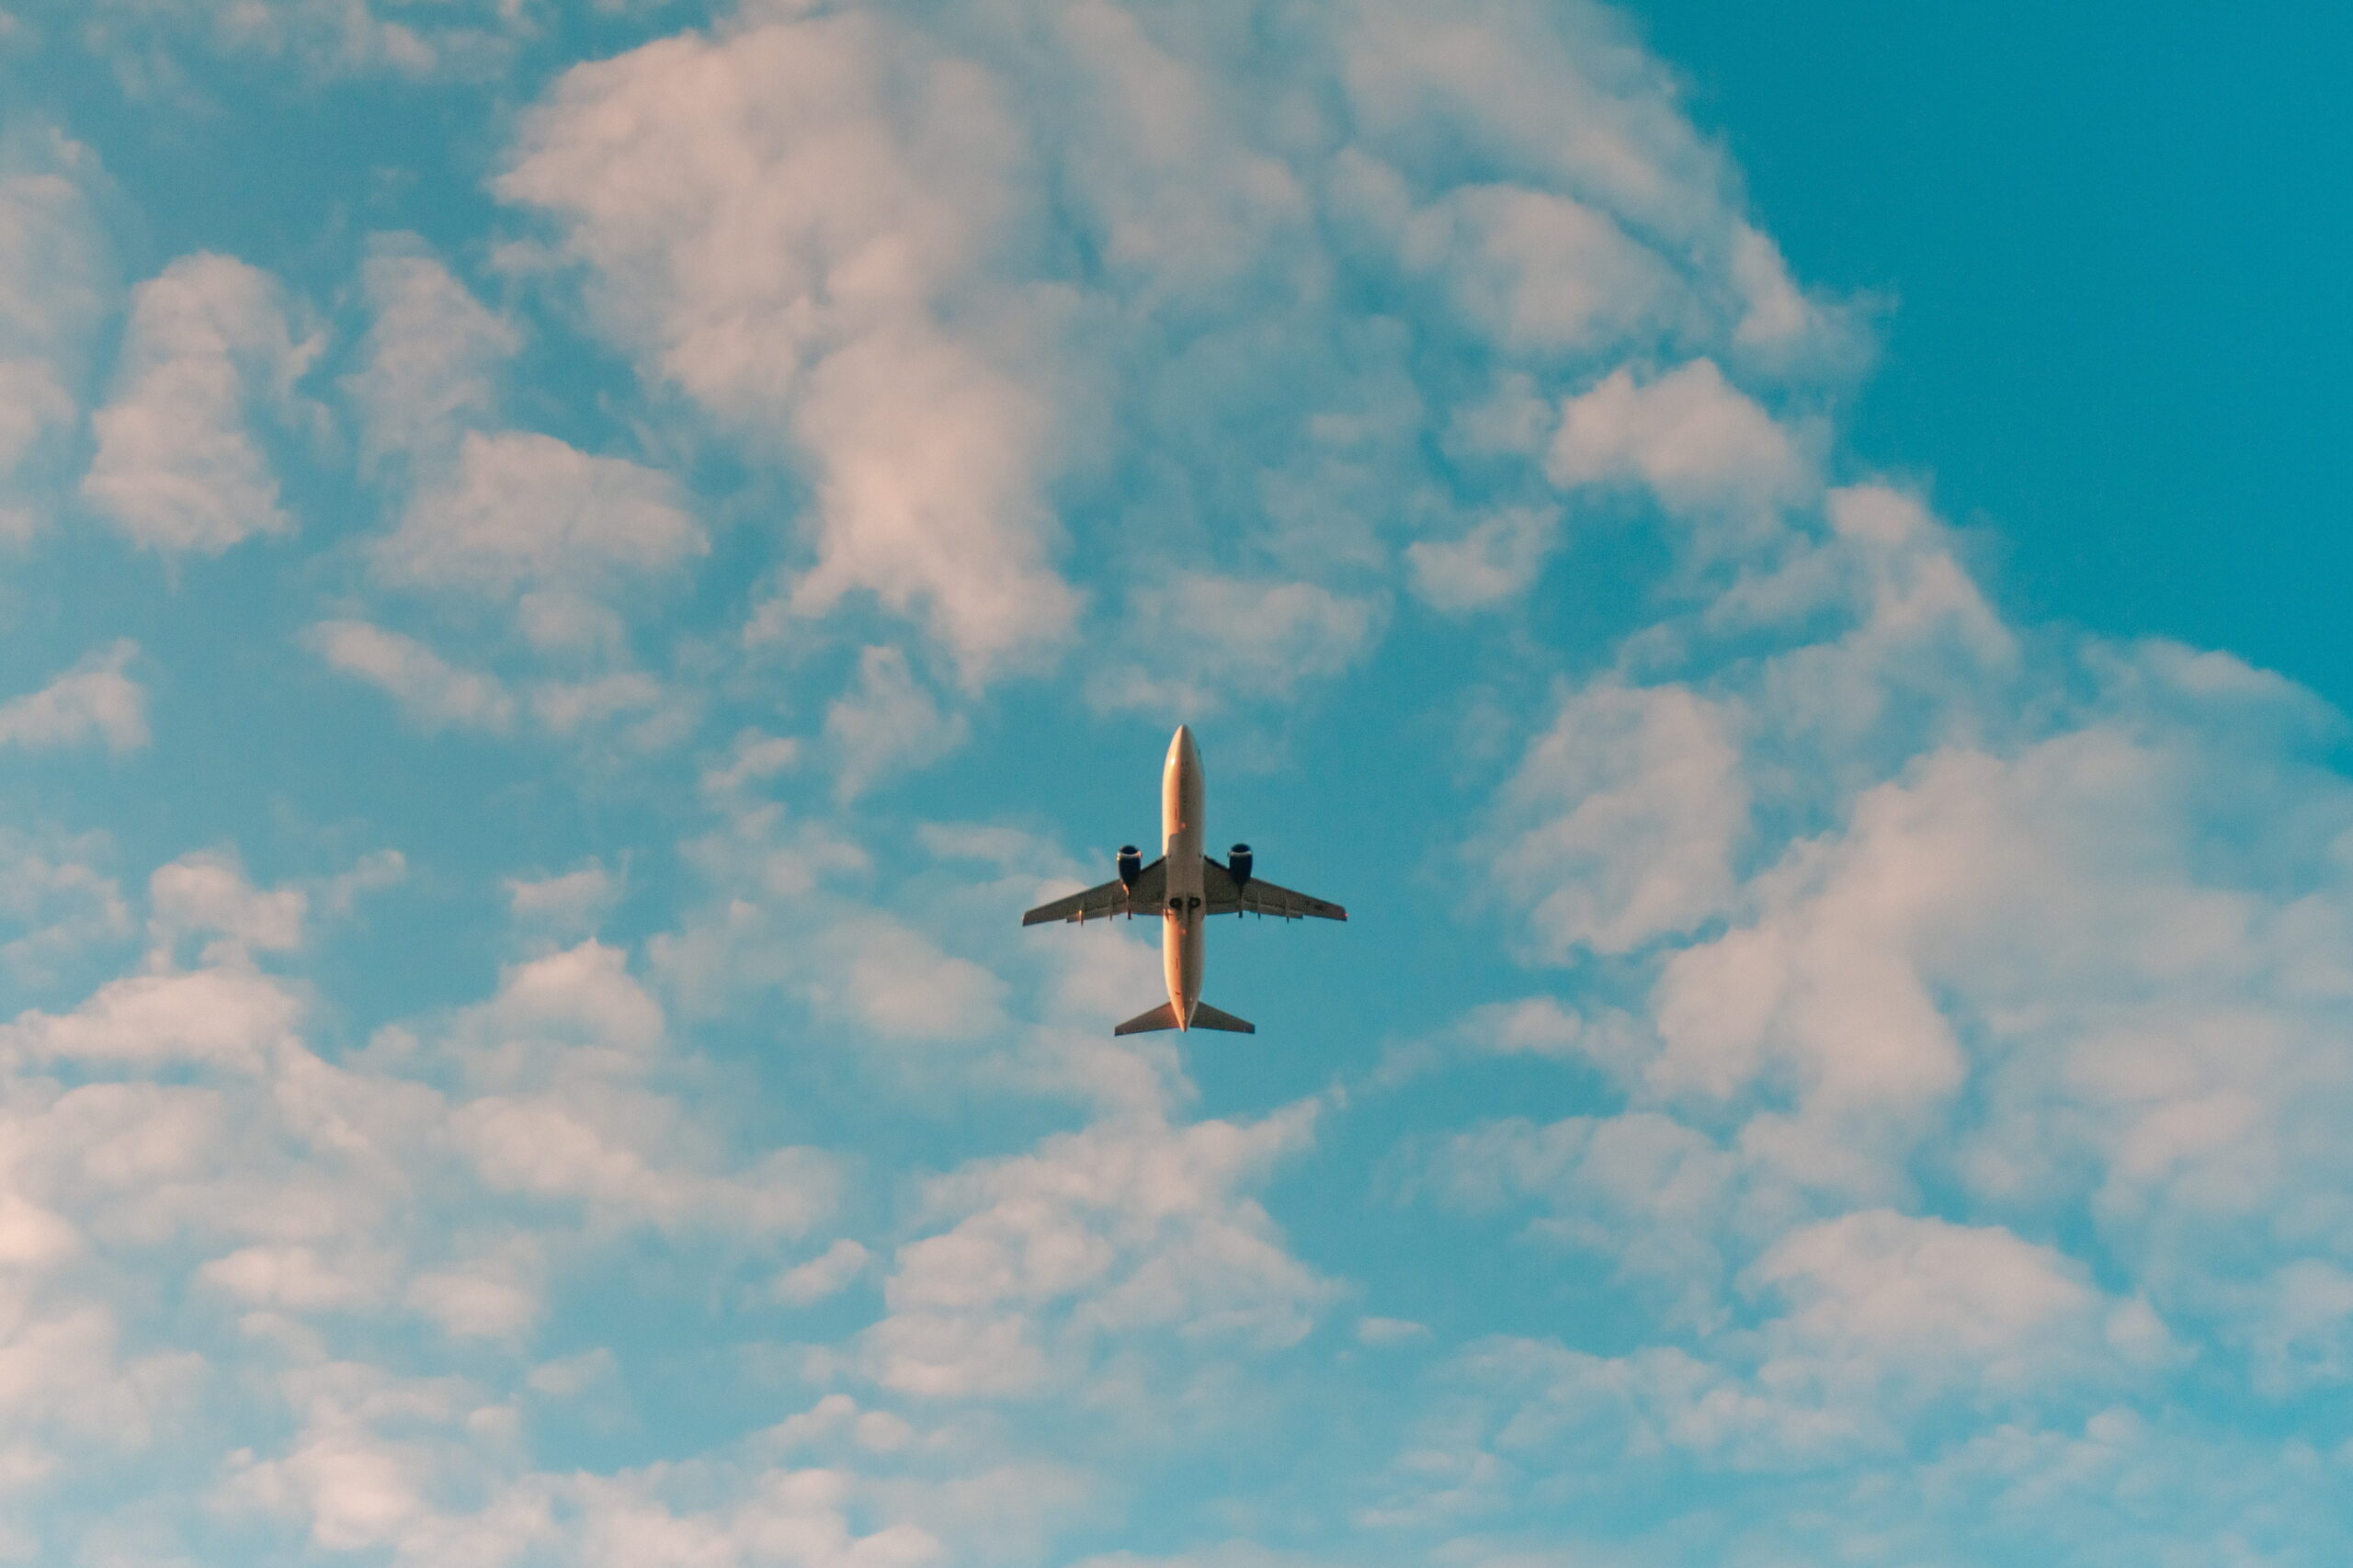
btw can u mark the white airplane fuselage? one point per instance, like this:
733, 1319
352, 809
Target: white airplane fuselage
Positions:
1182, 797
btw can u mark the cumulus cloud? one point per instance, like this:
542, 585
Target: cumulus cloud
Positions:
1892, 1307
206, 893
295, 1277
1533, 270
324, 39
823, 1275
1203, 636
565, 706
435, 692
1497, 557
94, 701
229, 1018
56, 284
1894, 1327
1695, 440
941, 375
1938, 1041
1666, 1205
1120, 1228
887, 722
210, 348
523, 509
1620, 824
493, 1296
896, 981
786, 221
572, 902
60, 894
430, 363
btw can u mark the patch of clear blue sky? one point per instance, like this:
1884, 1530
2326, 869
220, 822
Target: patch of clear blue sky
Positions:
2117, 242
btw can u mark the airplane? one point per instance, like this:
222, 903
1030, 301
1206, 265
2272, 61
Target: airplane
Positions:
1183, 887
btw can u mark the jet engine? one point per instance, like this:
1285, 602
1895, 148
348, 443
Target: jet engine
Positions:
1238, 862
1131, 865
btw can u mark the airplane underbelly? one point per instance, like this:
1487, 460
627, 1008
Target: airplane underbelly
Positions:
1180, 961
1183, 798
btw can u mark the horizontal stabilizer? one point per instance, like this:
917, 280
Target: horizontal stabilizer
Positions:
1161, 1017
1204, 1017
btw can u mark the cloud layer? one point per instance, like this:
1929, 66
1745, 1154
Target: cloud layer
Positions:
540, 696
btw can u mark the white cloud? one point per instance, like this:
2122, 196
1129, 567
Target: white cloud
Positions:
178, 467
1575, 105
1385, 1331
572, 902
1620, 823
427, 686
1497, 557
1538, 273
56, 889
430, 362
755, 756
371, 872
566, 705
1664, 1203
1226, 1554
560, 1050
1127, 1227
1887, 1308
575, 1376
888, 722
231, 1019
326, 38
1202, 637
1180, 199
1779, 319
495, 1296
789, 223
2301, 1328
2057, 955
94, 701
56, 284
1698, 443
580, 1006
35, 408
894, 981
523, 509
295, 1277
207, 892
1895, 1324
72, 1389
622, 1159
826, 1274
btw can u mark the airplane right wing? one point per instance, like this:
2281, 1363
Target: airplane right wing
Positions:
1113, 898
1258, 896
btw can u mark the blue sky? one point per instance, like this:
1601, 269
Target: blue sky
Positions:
572, 570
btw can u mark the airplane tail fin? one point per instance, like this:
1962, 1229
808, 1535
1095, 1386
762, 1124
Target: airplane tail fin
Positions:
1204, 1017
1161, 1017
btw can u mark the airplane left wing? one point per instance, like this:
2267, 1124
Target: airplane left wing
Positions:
1112, 899
1259, 896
